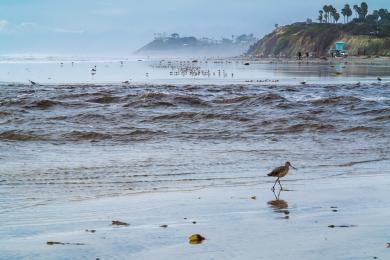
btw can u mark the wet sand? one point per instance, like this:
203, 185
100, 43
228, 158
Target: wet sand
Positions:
320, 218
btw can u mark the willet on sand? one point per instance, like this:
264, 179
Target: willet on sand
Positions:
280, 172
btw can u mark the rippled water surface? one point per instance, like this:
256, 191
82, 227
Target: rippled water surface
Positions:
190, 124
64, 142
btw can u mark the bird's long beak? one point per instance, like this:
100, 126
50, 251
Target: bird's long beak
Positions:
293, 167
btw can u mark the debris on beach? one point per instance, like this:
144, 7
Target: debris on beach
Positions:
54, 243
90, 230
164, 226
196, 239
119, 223
341, 226
62, 243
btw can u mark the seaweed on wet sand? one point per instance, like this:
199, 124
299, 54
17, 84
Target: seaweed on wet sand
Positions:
341, 226
196, 239
119, 223
50, 243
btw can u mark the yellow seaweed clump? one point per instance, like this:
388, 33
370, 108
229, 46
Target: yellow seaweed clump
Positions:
196, 239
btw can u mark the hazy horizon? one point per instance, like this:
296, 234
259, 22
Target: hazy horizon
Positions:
120, 27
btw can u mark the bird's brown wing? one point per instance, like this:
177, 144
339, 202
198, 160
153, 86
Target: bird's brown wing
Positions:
275, 171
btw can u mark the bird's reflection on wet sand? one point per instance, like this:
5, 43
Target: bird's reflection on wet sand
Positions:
279, 206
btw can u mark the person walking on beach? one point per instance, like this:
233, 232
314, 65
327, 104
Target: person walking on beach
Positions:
299, 55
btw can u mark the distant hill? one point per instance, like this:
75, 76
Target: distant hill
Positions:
176, 45
318, 38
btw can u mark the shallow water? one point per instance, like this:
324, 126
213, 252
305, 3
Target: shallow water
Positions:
64, 142
75, 70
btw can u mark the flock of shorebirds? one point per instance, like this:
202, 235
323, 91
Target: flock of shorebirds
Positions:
192, 68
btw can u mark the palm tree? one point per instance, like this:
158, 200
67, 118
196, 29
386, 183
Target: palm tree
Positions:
364, 9
334, 13
348, 11
336, 16
325, 8
320, 16
361, 10
357, 10
344, 13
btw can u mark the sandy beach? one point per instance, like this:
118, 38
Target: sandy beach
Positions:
236, 224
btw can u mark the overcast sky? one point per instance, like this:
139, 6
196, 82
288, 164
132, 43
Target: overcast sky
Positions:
118, 27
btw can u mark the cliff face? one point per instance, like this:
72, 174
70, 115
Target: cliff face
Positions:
317, 39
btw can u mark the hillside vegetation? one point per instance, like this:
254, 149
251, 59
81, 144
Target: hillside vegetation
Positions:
366, 34
318, 38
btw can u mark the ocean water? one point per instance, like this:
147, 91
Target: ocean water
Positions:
79, 136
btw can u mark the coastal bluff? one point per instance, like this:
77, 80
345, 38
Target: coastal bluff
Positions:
318, 38
175, 45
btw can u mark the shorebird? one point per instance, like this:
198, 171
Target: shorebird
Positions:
280, 172
33, 83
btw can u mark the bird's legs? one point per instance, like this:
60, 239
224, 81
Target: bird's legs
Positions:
273, 187
276, 196
281, 188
